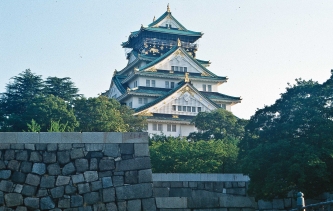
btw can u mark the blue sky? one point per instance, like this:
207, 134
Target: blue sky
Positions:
260, 45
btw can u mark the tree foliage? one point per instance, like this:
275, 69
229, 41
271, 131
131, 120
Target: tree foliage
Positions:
217, 124
288, 146
61, 87
176, 155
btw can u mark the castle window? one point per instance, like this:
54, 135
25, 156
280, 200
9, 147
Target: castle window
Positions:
179, 108
184, 108
174, 107
167, 84
148, 83
199, 109
135, 83
153, 83
185, 69
140, 100
130, 104
181, 69
171, 128
160, 127
209, 88
193, 109
145, 100
188, 108
224, 106
204, 87
172, 85
155, 126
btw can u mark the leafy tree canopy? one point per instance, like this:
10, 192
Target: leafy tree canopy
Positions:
217, 124
288, 146
174, 155
61, 87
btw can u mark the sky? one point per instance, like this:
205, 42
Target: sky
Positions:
259, 45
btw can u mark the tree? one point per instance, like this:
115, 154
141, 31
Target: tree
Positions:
61, 87
288, 146
105, 115
217, 124
16, 99
181, 156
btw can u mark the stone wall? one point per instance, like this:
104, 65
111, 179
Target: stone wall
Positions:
75, 171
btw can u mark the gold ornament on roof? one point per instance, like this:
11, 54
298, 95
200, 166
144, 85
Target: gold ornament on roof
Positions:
168, 8
154, 19
204, 74
145, 113
128, 89
186, 89
115, 72
175, 116
179, 43
187, 79
179, 53
152, 69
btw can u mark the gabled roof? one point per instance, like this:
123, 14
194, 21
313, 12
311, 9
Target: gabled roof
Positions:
162, 17
171, 51
117, 81
178, 87
219, 96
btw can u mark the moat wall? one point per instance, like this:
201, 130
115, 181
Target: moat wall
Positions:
109, 171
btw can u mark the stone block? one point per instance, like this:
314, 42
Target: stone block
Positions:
209, 194
91, 198
107, 182
18, 177
127, 149
8, 137
137, 191
105, 174
29, 190
63, 157
6, 186
69, 189
230, 201
106, 164
90, 176
171, 202
161, 192
2, 199
134, 205
4, 146
42, 193
145, 176
54, 169
94, 147
122, 205
62, 180
29, 146
26, 167
119, 173
39, 168
83, 188
46, 203
92, 137
111, 150
81, 165
9, 154
111, 207
13, 199
118, 180
278, 204
148, 204
93, 164
202, 202
218, 187
22, 155
76, 201
180, 192
265, 205
64, 203
2, 164
49, 157
95, 154
36, 157
51, 147
192, 184
78, 178
176, 184
31, 202
87, 208
135, 137
57, 192
109, 195
17, 146
209, 186
77, 153
13, 165
21, 208
97, 185
99, 206
27, 137
133, 164
62, 147
68, 169
47, 182
71, 137
237, 191
5, 174
131, 177
32, 179
18, 188
141, 150
41, 146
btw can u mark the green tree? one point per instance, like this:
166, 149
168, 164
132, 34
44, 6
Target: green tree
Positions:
181, 156
288, 146
61, 87
217, 124
18, 96
105, 115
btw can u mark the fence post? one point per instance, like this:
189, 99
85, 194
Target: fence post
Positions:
300, 201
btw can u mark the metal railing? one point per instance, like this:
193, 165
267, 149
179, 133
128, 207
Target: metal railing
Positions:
321, 206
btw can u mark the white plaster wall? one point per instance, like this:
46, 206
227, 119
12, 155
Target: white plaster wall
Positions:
181, 130
198, 85
114, 91
181, 61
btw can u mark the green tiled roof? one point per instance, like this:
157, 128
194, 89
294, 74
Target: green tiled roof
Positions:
177, 75
150, 90
219, 96
117, 81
